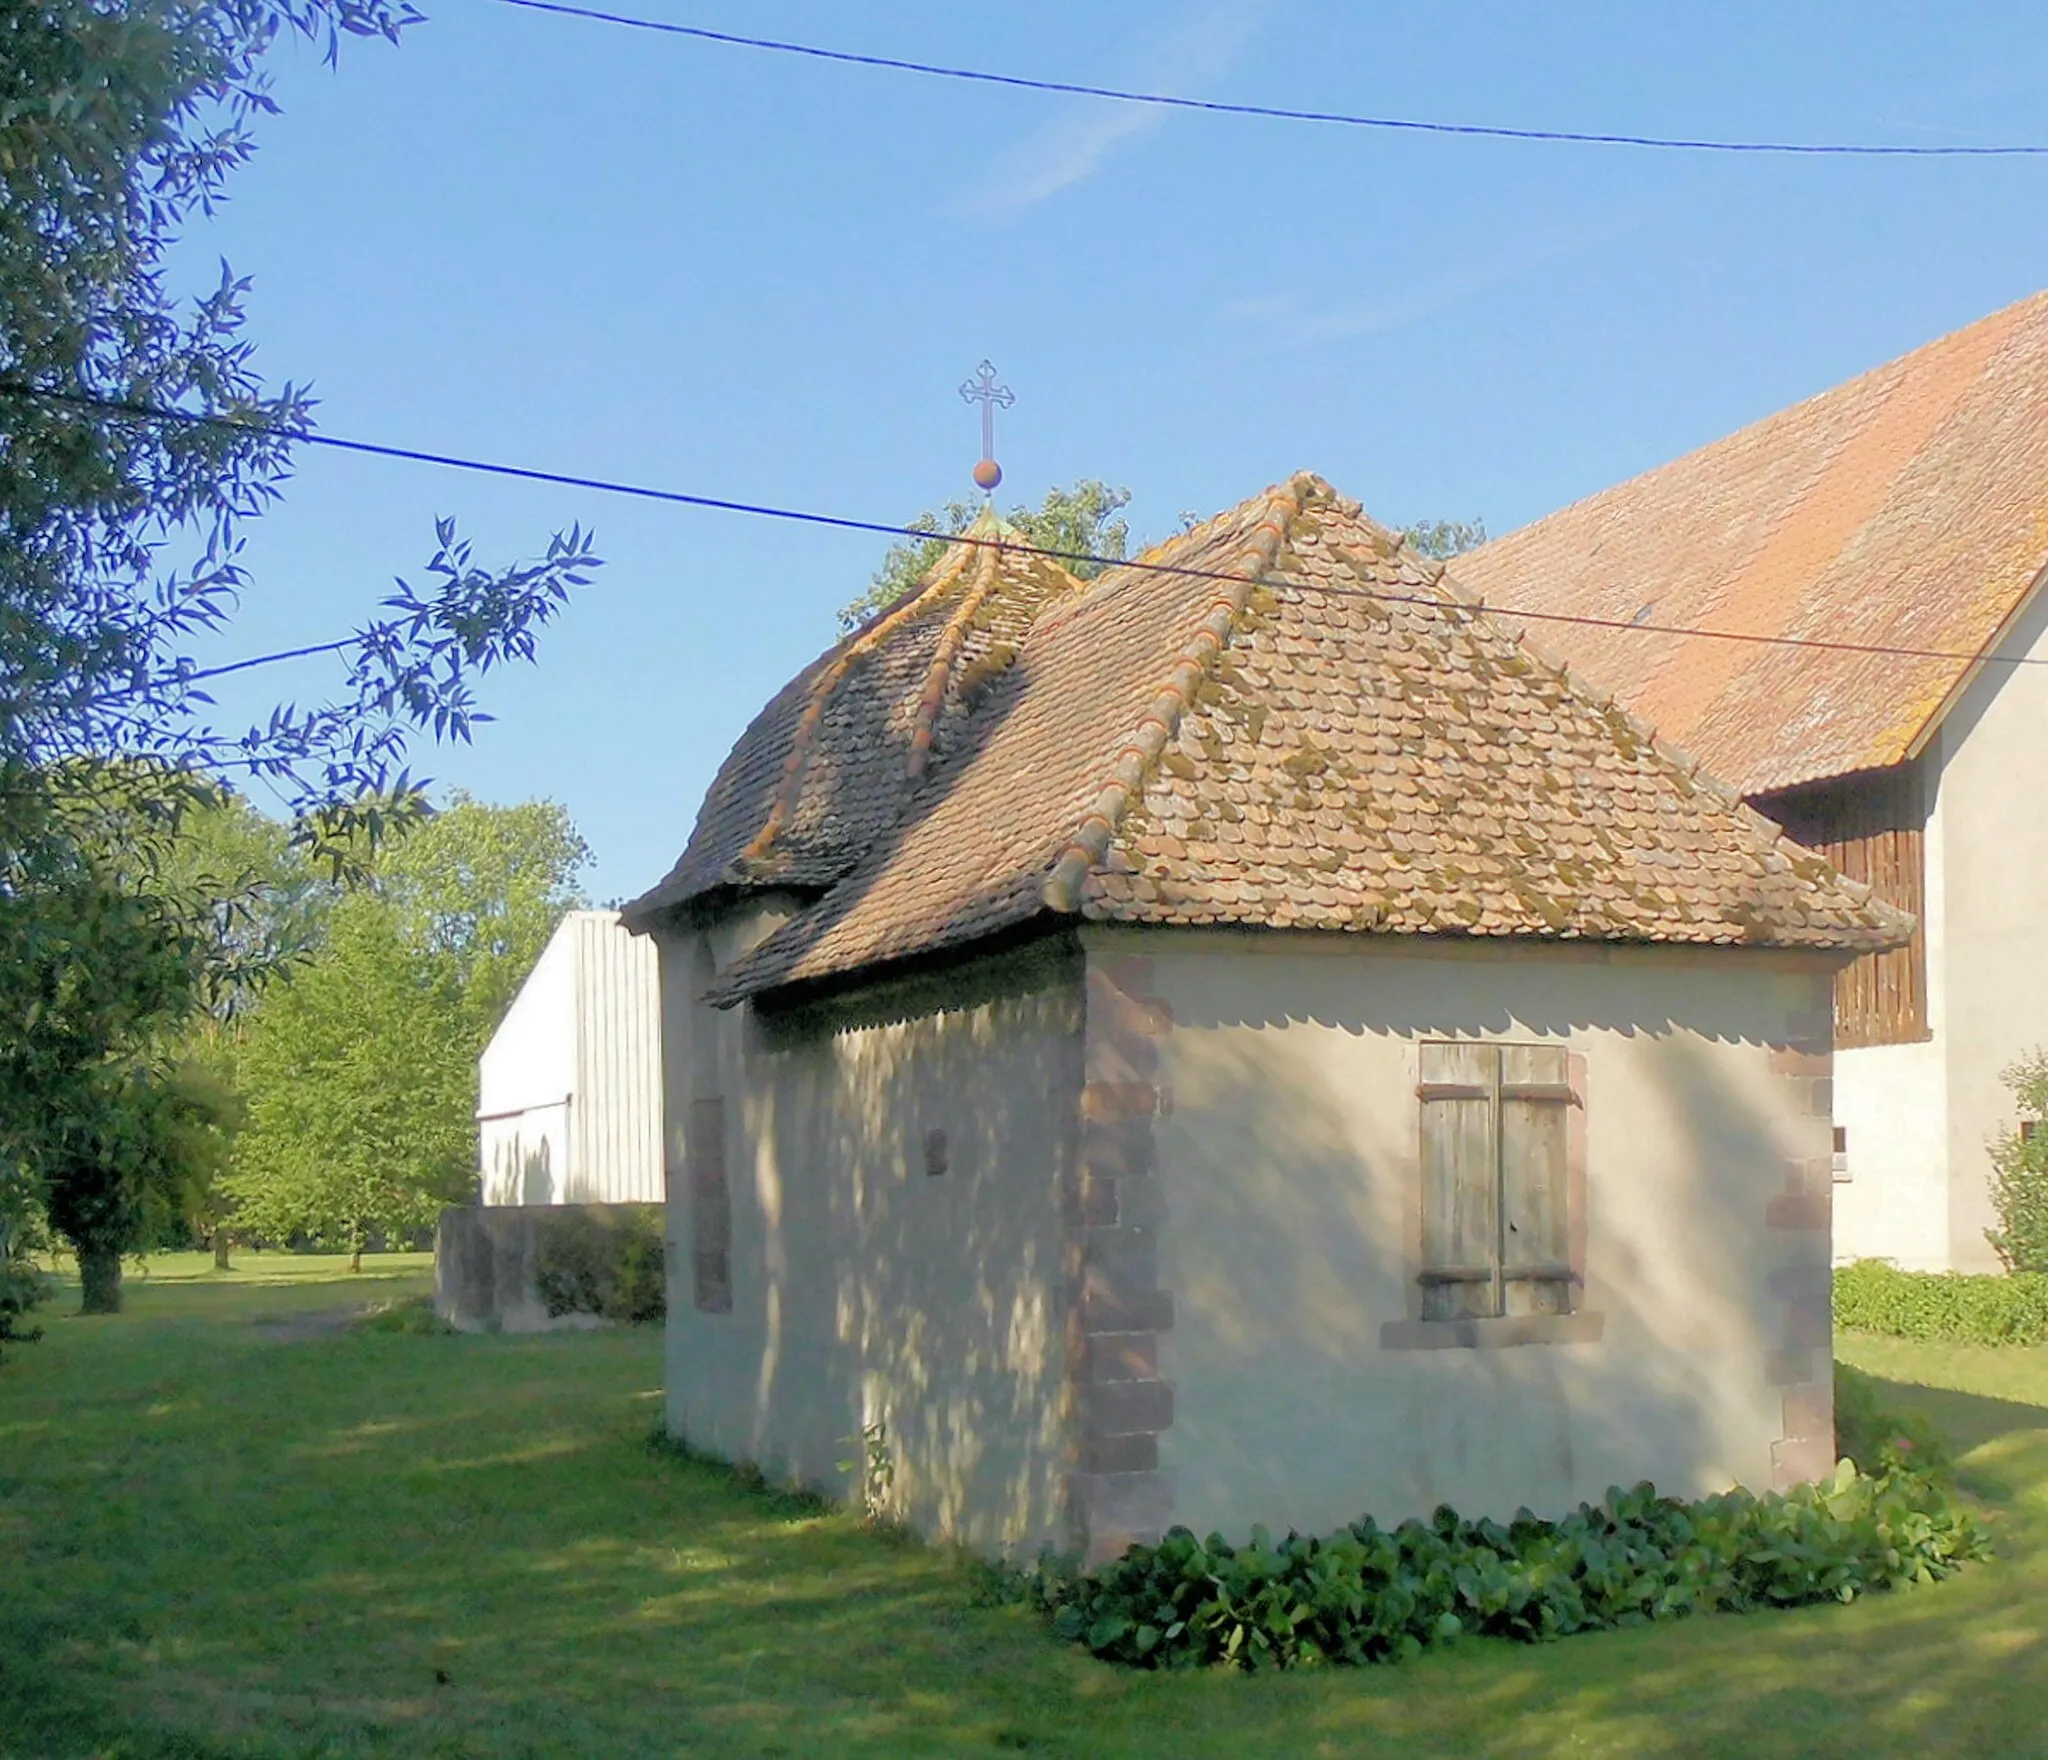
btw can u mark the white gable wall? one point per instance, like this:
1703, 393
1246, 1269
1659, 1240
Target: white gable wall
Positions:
615, 1122
866, 1290
1988, 893
1288, 1159
569, 1104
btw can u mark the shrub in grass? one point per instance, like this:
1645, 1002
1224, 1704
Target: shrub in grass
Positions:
2019, 1170
22, 1285
415, 1316
1879, 1441
1942, 1307
1368, 1594
608, 1263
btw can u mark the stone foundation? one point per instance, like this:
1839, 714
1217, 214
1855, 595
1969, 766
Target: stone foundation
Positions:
485, 1257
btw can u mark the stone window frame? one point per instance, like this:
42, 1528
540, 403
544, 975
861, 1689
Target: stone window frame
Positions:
1584, 1324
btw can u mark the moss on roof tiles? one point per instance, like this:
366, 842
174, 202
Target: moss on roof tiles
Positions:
1310, 728
828, 765
1907, 508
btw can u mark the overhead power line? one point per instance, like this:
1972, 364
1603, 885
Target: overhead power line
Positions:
1272, 112
841, 522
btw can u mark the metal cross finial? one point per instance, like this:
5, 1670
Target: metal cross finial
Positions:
984, 390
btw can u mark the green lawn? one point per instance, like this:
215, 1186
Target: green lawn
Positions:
230, 1528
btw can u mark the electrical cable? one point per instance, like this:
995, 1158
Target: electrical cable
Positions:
840, 522
1272, 112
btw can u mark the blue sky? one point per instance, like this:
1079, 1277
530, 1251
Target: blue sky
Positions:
588, 249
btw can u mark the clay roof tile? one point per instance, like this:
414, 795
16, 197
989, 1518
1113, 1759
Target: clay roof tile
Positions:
1115, 775
1907, 508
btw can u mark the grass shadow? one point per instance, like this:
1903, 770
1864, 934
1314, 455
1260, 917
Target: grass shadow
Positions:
384, 1544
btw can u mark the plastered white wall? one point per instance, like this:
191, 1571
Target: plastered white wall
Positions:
1892, 1102
1991, 759
866, 1291
1290, 1165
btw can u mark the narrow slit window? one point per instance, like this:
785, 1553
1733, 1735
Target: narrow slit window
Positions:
710, 1209
1496, 1173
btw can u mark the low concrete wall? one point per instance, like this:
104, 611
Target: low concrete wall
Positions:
485, 1258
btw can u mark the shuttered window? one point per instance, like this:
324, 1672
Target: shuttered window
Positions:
710, 1208
1872, 828
1496, 1238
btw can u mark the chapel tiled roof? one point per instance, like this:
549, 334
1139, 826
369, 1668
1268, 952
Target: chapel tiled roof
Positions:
825, 767
1285, 718
1905, 509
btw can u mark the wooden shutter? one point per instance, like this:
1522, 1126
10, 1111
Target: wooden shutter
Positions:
1872, 828
710, 1208
1496, 1179
1535, 1103
1460, 1183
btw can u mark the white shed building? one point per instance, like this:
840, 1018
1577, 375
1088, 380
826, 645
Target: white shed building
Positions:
569, 1088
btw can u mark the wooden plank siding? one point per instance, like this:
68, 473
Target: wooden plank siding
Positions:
1873, 828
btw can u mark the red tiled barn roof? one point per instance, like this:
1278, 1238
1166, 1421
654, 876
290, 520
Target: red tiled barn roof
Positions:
1907, 508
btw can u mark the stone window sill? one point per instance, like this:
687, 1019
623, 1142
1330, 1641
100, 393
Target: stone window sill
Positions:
1481, 1335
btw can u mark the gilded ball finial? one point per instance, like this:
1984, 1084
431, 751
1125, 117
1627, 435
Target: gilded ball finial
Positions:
987, 474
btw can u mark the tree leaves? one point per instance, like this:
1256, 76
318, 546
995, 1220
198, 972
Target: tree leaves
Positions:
1368, 1594
136, 442
1078, 523
360, 1073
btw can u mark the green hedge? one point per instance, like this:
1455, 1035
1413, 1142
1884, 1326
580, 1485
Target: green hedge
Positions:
1948, 1307
605, 1261
1370, 1595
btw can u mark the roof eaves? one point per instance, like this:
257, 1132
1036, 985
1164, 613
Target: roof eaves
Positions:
1688, 769
1969, 675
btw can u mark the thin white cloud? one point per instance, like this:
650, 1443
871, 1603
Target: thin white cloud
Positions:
1071, 147
1425, 296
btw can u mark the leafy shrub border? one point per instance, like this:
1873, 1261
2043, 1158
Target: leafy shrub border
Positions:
1367, 1594
1942, 1307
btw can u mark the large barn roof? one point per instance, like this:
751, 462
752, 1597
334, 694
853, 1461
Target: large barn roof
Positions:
1285, 718
1905, 509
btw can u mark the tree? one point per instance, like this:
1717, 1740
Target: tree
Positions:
135, 442
1445, 538
22, 1284
1079, 522
269, 901
2019, 1176
359, 1087
91, 968
143, 1146
478, 890
359, 1071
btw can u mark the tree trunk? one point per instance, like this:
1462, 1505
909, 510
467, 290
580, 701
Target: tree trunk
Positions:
356, 1237
99, 1280
220, 1250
